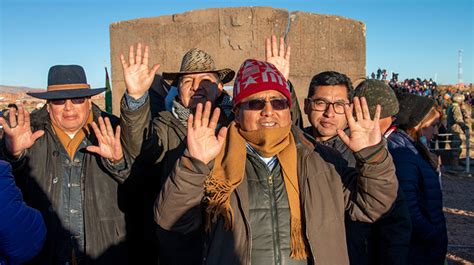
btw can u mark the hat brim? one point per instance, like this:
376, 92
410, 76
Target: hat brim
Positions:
68, 93
225, 75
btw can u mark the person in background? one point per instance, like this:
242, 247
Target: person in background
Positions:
22, 229
416, 172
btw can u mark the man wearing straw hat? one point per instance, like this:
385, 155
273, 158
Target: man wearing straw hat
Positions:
69, 172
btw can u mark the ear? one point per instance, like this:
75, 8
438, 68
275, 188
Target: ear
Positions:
47, 107
237, 115
220, 87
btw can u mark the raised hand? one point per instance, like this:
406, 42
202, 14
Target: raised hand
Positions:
18, 134
136, 72
364, 132
109, 143
278, 56
203, 144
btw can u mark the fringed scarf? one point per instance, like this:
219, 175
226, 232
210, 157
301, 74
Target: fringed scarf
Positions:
229, 170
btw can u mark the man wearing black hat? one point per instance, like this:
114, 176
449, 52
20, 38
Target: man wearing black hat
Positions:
70, 174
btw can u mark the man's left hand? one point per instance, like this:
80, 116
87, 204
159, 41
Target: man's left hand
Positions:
364, 131
109, 143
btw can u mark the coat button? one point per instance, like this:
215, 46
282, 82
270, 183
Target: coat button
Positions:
55, 153
55, 180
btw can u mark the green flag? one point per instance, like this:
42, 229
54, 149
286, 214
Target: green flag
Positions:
108, 93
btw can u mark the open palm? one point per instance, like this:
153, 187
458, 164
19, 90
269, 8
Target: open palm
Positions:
364, 131
279, 57
18, 134
203, 144
136, 72
109, 143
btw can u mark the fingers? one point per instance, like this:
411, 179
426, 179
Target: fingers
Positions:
288, 53
206, 114
117, 134
154, 69
103, 129
274, 46
222, 135
378, 111
348, 111
198, 116
124, 62
268, 49
97, 132
343, 136
109, 128
357, 108
215, 118
6, 127
138, 57
131, 55
21, 116
365, 108
282, 47
12, 117
146, 55
190, 123
37, 135
93, 149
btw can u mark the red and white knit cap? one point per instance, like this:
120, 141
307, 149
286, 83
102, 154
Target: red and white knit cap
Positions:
256, 76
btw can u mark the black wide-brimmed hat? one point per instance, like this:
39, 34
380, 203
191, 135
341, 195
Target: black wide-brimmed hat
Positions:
67, 81
198, 61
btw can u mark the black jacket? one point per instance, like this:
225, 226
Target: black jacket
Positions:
39, 174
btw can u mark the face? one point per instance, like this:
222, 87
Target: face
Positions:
69, 117
430, 128
325, 123
268, 117
198, 88
385, 124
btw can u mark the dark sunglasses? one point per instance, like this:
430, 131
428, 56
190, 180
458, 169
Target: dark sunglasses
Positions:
259, 104
62, 101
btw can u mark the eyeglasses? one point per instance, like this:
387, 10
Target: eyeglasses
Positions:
62, 101
259, 104
322, 105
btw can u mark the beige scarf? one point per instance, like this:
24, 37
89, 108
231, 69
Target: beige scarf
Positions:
229, 170
69, 144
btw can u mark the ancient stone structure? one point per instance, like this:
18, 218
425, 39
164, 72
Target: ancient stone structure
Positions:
231, 35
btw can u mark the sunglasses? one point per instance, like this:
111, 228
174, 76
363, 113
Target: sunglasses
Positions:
259, 104
62, 101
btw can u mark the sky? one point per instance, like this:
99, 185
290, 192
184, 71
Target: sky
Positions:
415, 38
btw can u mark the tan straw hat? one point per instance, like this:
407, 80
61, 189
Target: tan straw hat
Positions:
198, 61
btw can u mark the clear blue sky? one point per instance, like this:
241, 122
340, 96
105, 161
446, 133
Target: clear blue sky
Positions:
416, 38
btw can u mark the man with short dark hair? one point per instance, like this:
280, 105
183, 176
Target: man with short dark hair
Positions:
386, 240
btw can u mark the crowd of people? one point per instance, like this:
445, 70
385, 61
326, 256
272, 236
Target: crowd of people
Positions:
202, 177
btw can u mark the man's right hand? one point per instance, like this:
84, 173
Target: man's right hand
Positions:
138, 76
18, 134
203, 144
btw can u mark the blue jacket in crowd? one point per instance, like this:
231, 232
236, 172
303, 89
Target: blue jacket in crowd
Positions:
420, 184
22, 229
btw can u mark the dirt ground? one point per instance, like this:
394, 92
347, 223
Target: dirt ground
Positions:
458, 192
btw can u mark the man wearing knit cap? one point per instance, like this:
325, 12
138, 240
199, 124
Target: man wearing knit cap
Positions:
388, 239
261, 192
198, 80
327, 94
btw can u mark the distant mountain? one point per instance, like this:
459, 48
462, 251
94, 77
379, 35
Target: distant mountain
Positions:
18, 89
